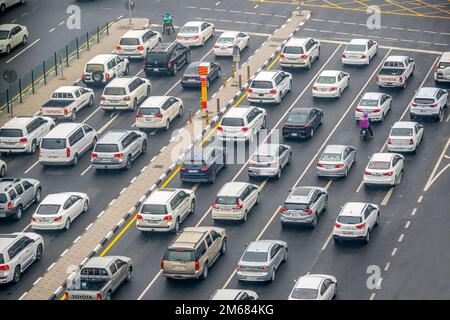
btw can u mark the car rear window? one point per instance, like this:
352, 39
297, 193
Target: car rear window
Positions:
408, 132
261, 158
148, 111
154, 209
93, 272
94, 67
297, 117
379, 165
192, 69
330, 157
3, 198
368, 103
391, 72
296, 206
225, 40
226, 200
233, 122
443, 65
349, 219
106, 147
356, 48
11, 133
179, 255
48, 209
394, 64
129, 41
254, 256
301, 293
423, 101
293, 50
92, 285
53, 143
189, 29
257, 84
326, 80
157, 57
115, 91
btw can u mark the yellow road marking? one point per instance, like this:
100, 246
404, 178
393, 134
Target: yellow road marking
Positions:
434, 6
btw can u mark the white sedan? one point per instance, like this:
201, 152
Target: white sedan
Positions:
224, 45
158, 112
314, 287
405, 136
330, 84
196, 33
12, 35
383, 169
57, 211
359, 51
376, 105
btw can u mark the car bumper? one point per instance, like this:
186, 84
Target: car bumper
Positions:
228, 215
336, 172
351, 235
262, 172
325, 94
380, 181
355, 61
297, 219
223, 53
229, 137
131, 55
203, 178
150, 125
253, 276
263, 99
6, 276
189, 43
148, 227
292, 64
106, 106
6, 214
194, 83
14, 149
149, 70
55, 162
182, 275
376, 116
425, 113
389, 84
47, 226
295, 133
439, 77
399, 148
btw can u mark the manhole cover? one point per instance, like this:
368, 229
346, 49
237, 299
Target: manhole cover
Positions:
158, 166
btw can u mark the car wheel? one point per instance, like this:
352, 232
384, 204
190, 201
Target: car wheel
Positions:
38, 256
367, 238
16, 276
18, 213
2, 8
94, 142
309, 64
272, 278
311, 132
180, 112
2, 171
314, 222
144, 147
289, 159
8, 49
24, 39
224, 246
192, 209
321, 120
33, 147
205, 271
37, 195
285, 258
85, 206
213, 178
73, 116
75, 160
167, 127
346, 172
108, 295
264, 124
67, 224
340, 93
176, 228
335, 292
258, 199
135, 105
377, 222
219, 72
325, 205
127, 70
128, 165
91, 101
147, 94
128, 278
203, 42
440, 116
175, 69
244, 218
278, 176
336, 240
278, 101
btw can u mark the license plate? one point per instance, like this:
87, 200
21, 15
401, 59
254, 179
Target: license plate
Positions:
9, 143
152, 220
261, 94
440, 76
156, 69
329, 166
179, 268
294, 134
193, 171
347, 232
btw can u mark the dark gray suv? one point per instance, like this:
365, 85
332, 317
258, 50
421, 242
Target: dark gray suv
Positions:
17, 195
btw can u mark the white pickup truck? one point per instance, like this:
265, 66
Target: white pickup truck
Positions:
395, 71
67, 101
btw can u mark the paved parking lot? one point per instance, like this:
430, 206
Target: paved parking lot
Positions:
408, 246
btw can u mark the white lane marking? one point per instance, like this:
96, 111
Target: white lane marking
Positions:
149, 285
123, 190
64, 252
327, 186
30, 168
256, 6
413, 213
37, 281
51, 30
217, 3
77, 239
29, 46
407, 224
386, 268
372, 296
89, 226
100, 214
61, 23
86, 170
360, 186
327, 241
394, 251
420, 199
51, 266
111, 203
13, 20
433, 175
400, 239
426, 31
26, 228
22, 296
99, 131
119, 17
25, 14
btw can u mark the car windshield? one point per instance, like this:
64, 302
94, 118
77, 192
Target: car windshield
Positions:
157, 57
379, 165
296, 206
48, 209
330, 157
92, 285
356, 47
148, 111
302, 293
408, 132
11, 133
115, 91
349, 219
225, 40
194, 162
106, 147
262, 158
254, 256
326, 80
368, 103
3, 198
233, 122
423, 101
189, 29
153, 209
293, 50
226, 200
129, 41
53, 143
179, 255
297, 117
192, 69
257, 84
94, 67
4, 34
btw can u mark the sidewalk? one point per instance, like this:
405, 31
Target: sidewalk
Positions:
155, 173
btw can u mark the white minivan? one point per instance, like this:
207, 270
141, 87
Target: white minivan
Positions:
66, 143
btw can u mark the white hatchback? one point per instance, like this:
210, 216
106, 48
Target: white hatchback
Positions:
57, 211
383, 169
359, 51
405, 136
375, 104
330, 84
224, 45
196, 33
158, 112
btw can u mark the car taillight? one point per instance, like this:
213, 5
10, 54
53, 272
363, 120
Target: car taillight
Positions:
118, 155
169, 63
94, 155
83, 75
359, 109
414, 104
320, 165
363, 56
99, 296
339, 165
333, 88
308, 211
139, 217
239, 205
401, 79
433, 105
179, 38
216, 46
436, 69
4, 267
138, 115
376, 110
238, 266
66, 111
282, 55
245, 129
367, 173
182, 168
196, 37
411, 141
204, 169
9, 205
145, 63
118, 47
219, 128
337, 225
127, 98
197, 265
361, 226
283, 209
162, 264
214, 205
158, 115
389, 141
229, 47
40, 153
107, 75
344, 56
388, 173
67, 152
57, 219
264, 267
102, 98
377, 78
315, 88
167, 218
304, 56
273, 91
33, 218
140, 48
23, 140
249, 90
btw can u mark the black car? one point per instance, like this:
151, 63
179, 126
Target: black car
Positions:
166, 57
301, 122
191, 78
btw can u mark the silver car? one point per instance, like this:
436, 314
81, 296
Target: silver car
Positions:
336, 161
314, 287
118, 148
269, 160
303, 206
261, 259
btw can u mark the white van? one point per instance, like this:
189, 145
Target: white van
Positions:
65, 144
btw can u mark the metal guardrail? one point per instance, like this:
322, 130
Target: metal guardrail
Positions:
50, 67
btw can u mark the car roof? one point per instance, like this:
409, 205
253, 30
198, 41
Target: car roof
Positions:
6, 240
154, 101
334, 148
232, 188
296, 42
160, 196
5, 183
260, 245
300, 194
189, 237
428, 92
226, 294
396, 58
120, 82
445, 56
67, 89
309, 281
372, 95
353, 209
229, 34
404, 124
194, 23
9, 26
267, 149
18, 122
329, 73
63, 129
162, 46
301, 111
113, 136
382, 156
359, 41
237, 112
56, 198
266, 75
101, 58
134, 33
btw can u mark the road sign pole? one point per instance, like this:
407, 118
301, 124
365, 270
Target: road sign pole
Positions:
203, 72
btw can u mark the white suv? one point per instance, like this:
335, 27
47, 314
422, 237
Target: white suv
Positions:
158, 111
429, 103
103, 68
355, 221
269, 87
165, 210
242, 123
442, 68
234, 201
125, 93
17, 252
137, 42
300, 52
23, 134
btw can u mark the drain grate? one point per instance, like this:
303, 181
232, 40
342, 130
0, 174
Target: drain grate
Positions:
277, 39
158, 166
